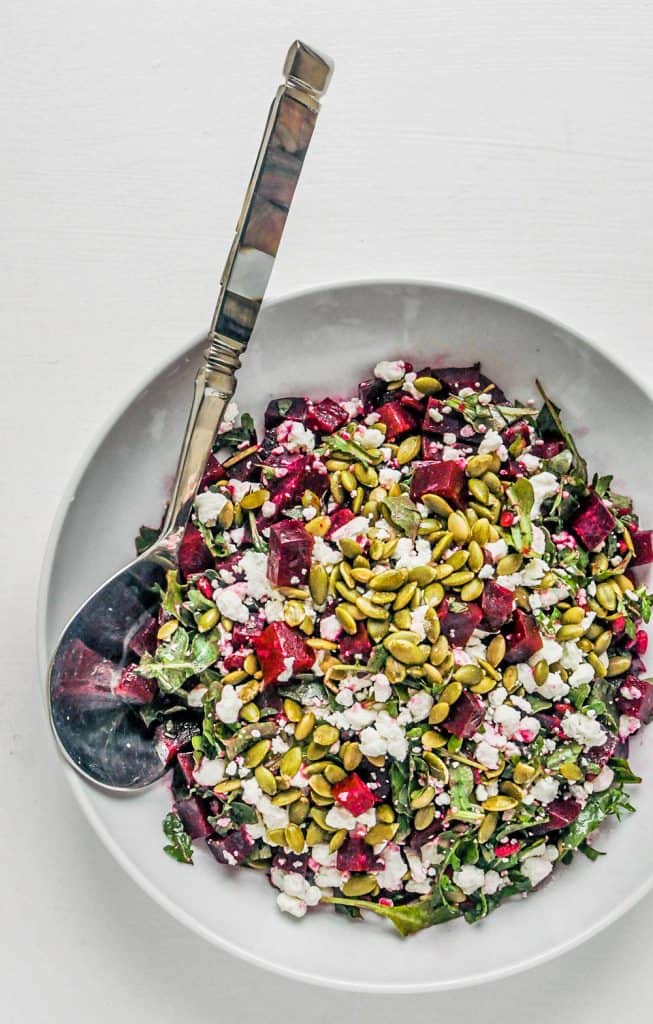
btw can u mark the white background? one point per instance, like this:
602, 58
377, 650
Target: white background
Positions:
505, 146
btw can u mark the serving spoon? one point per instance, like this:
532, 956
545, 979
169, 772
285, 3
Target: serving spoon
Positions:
102, 735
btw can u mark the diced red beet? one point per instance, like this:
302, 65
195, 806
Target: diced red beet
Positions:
279, 649
326, 416
213, 472
371, 393
354, 795
144, 639
444, 478
418, 839
459, 626
193, 817
397, 419
458, 377
287, 861
497, 603
357, 855
593, 523
84, 675
547, 449
522, 638
431, 449
467, 715
561, 813
134, 688
515, 430
289, 558
194, 556
280, 409
601, 755
245, 633
233, 848
378, 779
639, 699
186, 764
339, 518
357, 646
438, 422
415, 404
171, 737
303, 473
643, 544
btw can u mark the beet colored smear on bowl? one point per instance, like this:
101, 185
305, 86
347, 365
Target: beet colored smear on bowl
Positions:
402, 658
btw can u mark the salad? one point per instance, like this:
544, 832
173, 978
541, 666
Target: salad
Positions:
399, 666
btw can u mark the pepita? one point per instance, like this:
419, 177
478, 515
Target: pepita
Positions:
256, 753
496, 650
408, 449
439, 712
468, 674
305, 726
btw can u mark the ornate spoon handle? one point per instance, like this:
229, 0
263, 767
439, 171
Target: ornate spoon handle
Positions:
247, 271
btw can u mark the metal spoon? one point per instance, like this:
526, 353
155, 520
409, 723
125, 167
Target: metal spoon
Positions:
101, 734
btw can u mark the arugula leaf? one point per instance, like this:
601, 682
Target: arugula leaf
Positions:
237, 436
216, 542
242, 814
173, 597
623, 772
461, 787
522, 495
549, 422
355, 451
258, 542
179, 659
180, 846
597, 808
601, 485
146, 537
403, 513
407, 919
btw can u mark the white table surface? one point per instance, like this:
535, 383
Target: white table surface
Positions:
502, 145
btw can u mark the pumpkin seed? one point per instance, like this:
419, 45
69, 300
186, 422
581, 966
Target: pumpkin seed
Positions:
165, 631
459, 579
385, 814
435, 503
293, 613
432, 674
336, 488
404, 596
427, 385
254, 499
346, 619
207, 620
442, 570
496, 650
569, 632
333, 773
315, 751
377, 629
434, 594
439, 651
511, 789
275, 837
326, 735
319, 526
286, 797
319, 785
510, 678
337, 839
509, 564
596, 663
256, 753
366, 475
458, 559
358, 885
488, 825
381, 833
541, 672
361, 575
389, 579
394, 670
294, 837
235, 677
432, 740
314, 834
402, 619
493, 484
408, 449
424, 818
570, 771
439, 712
585, 645
305, 726
471, 591
523, 773
618, 664
606, 597
442, 545
249, 712
348, 593
476, 559
405, 651
479, 489
383, 597
298, 811
624, 583
458, 527
266, 780
573, 615
477, 465
351, 755
481, 531
499, 803
468, 674
486, 684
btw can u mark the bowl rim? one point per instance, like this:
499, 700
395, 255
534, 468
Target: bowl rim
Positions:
82, 790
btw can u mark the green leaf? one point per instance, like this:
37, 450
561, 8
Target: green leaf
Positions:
623, 772
146, 537
549, 422
258, 542
174, 595
177, 660
597, 808
601, 485
180, 846
407, 919
242, 814
215, 542
522, 495
461, 787
245, 434
355, 451
403, 513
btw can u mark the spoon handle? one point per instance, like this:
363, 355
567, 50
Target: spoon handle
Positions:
249, 264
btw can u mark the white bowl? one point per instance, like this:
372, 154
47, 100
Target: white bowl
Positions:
320, 342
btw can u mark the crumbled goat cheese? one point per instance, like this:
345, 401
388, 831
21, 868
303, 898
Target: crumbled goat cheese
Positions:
390, 371
583, 729
209, 505
229, 705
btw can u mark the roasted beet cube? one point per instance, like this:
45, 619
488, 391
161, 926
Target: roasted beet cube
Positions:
438, 421
601, 755
398, 419
186, 765
144, 639
339, 518
299, 473
444, 478
134, 688
194, 556
280, 409
213, 471
636, 698
287, 861
467, 715
378, 779
547, 449
431, 449
455, 378
245, 633
356, 855
497, 604
84, 675
357, 647
523, 639
459, 626
371, 393
419, 838
174, 736
282, 653
593, 523
193, 817
561, 813
233, 848
289, 558
643, 544
326, 417
354, 795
